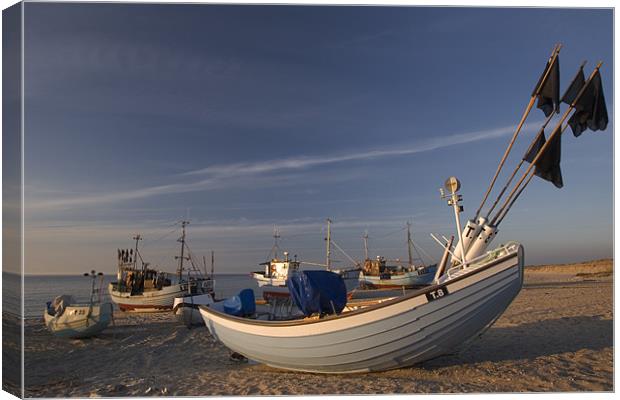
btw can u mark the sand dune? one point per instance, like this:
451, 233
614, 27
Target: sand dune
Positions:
556, 336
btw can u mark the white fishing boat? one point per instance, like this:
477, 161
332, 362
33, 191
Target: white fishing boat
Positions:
395, 333
186, 308
65, 317
470, 290
145, 289
276, 271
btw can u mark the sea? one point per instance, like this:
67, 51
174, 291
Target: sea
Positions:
39, 289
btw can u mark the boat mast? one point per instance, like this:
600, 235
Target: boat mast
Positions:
182, 257
329, 241
276, 247
409, 243
453, 185
365, 237
212, 262
137, 238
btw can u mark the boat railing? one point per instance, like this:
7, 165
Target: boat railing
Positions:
483, 259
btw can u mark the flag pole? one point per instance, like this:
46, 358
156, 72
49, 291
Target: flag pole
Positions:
514, 173
556, 131
554, 56
499, 221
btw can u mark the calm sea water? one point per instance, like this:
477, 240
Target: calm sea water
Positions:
40, 289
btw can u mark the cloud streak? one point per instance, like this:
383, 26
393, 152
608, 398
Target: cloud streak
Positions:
218, 176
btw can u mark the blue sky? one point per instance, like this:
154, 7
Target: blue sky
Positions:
246, 117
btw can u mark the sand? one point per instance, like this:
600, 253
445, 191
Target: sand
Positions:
556, 336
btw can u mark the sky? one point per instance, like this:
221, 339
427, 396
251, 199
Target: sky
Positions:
242, 118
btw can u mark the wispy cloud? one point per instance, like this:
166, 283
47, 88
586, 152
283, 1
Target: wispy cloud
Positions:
301, 162
218, 176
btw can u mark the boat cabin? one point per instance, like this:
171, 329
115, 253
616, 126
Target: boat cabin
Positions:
275, 268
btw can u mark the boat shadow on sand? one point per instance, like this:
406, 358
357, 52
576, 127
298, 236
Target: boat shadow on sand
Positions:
532, 340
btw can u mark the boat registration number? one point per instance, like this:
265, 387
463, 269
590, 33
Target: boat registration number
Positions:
438, 293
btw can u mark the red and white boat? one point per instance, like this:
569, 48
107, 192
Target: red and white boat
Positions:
144, 289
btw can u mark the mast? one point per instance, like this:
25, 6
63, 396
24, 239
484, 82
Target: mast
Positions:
453, 185
212, 262
365, 237
329, 242
409, 243
182, 256
137, 238
276, 236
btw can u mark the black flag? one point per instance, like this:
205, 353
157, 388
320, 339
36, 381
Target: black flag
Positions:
590, 109
548, 164
574, 88
548, 88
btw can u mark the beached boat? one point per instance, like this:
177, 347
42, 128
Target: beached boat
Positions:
471, 288
145, 289
376, 274
65, 317
186, 306
276, 271
394, 333
389, 333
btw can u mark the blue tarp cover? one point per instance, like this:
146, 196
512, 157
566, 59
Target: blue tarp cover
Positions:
321, 292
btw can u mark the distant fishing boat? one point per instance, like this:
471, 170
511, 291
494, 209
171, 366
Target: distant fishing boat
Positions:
376, 274
65, 317
277, 270
145, 289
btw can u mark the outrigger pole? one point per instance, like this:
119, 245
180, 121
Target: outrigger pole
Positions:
557, 131
554, 56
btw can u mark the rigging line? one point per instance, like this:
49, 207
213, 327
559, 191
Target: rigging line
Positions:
148, 242
343, 252
390, 233
417, 246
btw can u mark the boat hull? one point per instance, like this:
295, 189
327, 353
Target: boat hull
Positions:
76, 321
405, 280
397, 333
186, 308
150, 301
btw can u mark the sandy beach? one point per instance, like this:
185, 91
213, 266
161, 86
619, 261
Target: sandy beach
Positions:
556, 336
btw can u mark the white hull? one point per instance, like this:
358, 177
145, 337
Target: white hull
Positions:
396, 333
262, 280
79, 320
148, 301
186, 308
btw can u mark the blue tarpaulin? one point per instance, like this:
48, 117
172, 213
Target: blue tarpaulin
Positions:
321, 292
